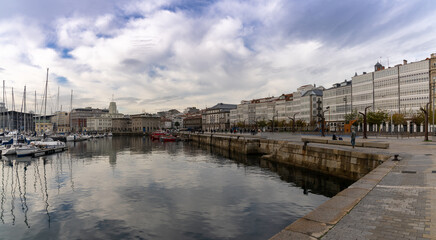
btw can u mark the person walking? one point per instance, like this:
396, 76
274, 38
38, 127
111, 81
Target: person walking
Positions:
353, 138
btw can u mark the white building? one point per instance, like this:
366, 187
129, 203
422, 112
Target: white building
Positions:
103, 123
338, 101
404, 89
98, 124
217, 117
362, 89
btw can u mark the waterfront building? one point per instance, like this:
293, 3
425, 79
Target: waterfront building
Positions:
264, 109
79, 116
61, 122
166, 123
414, 84
103, 123
311, 105
13, 120
217, 117
177, 121
303, 104
433, 78
243, 115
362, 91
191, 110
145, 123
404, 88
122, 125
338, 101
386, 89
194, 122
98, 124
284, 109
44, 124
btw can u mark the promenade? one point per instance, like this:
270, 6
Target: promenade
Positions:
397, 200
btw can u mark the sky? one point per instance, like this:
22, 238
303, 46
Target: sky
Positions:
156, 55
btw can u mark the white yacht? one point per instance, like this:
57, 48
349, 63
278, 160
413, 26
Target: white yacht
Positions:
26, 150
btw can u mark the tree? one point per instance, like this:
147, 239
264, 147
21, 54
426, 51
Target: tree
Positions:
312, 123
398, 119
177, 124
418, 118
354, 115
270, 123
300, 123
240, 124
378, 117
261, 123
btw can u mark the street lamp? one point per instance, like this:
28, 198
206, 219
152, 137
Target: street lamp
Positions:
364, 122
426, 120
293, 121
323, 121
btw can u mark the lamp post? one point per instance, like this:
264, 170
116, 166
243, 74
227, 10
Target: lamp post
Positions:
293, 122
426, 119
323, 121
364, 122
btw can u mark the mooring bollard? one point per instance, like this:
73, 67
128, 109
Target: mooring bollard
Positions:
305, 145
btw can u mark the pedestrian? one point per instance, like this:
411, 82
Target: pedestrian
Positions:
353, 138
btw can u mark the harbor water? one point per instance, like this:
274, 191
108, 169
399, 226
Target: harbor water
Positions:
135, 188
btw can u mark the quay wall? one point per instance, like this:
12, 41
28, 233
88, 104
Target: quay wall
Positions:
341, 163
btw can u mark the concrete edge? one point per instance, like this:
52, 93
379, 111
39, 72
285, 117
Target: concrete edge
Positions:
381, 145
321, 220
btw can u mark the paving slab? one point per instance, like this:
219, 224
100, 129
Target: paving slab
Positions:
286, 235
308, 227
397, 200
326, 215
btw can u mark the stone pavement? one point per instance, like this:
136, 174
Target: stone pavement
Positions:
397, 200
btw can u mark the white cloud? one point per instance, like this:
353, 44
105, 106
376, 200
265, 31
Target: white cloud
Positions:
153, 58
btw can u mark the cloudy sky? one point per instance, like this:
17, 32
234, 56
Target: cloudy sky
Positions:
155, 55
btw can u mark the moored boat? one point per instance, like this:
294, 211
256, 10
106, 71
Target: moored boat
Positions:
26, 150
168, 138
157, 135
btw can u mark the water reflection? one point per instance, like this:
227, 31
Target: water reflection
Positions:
131, 187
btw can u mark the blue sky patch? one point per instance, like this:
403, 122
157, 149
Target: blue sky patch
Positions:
62, 80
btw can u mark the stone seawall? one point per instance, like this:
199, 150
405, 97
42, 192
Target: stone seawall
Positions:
341, 163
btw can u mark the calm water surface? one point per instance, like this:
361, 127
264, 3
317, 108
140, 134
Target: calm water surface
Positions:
133, 188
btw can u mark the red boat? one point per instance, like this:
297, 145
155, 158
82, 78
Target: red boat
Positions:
157, 135
168, 138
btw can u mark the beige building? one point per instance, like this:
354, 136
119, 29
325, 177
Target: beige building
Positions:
142, 123
43, 125
121, 125
61, 122
99, 124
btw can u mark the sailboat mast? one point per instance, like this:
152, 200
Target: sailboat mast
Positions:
35, 101
13, 105
3, 110
57, 110
71, 101
45, 96
24, 97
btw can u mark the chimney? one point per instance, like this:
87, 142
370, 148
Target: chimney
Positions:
404, 62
